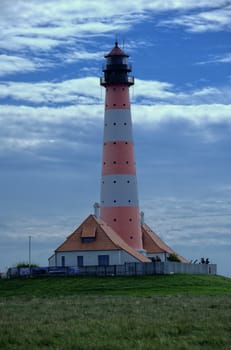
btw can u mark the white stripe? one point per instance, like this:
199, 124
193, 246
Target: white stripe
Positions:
117, 125
119, 190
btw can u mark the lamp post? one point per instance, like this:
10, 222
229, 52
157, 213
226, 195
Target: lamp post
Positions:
29, 252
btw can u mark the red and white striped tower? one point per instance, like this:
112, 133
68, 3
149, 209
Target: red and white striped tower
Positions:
119, 206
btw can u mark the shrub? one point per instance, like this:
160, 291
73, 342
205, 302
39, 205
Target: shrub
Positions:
26, 264
174, 257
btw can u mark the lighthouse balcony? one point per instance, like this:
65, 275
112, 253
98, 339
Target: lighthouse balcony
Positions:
111, 80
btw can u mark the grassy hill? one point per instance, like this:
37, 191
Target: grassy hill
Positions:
139, 285
180, 312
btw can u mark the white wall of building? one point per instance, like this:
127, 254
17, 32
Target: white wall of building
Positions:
90, 258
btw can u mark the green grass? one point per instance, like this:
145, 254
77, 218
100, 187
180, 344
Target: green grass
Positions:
137, 286
180, 312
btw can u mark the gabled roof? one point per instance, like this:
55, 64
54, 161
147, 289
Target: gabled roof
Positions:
152, 243
94, 234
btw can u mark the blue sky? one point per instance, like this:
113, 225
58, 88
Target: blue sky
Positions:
51, 120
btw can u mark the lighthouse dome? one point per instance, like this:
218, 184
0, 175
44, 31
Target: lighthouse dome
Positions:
116, 51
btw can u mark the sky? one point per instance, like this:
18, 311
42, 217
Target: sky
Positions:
52, 109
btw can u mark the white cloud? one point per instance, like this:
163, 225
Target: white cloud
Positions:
152, 92
87, 90
211, 20
191, 222
225, 58
16, 64
80, 91
82, 55
76, 102
45, 25
148, 89
197, 114
24, 127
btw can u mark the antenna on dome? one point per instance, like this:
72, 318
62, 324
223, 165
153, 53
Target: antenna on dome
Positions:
116, 40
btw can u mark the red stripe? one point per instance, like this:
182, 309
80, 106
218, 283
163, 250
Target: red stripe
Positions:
117, 97
124, 221
118, 158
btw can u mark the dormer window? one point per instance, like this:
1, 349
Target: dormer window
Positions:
87, 239
88, 234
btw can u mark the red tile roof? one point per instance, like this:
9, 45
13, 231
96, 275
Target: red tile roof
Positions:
94, 234
88, 230
152, 243
105, 239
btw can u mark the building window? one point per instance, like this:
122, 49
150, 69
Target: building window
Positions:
87, 239
80, 260
103, 260
63, 260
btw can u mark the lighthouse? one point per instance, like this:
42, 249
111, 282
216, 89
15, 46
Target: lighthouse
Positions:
116, 234
119, 206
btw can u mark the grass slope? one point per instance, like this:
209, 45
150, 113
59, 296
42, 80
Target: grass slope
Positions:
180, 312
139, 285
